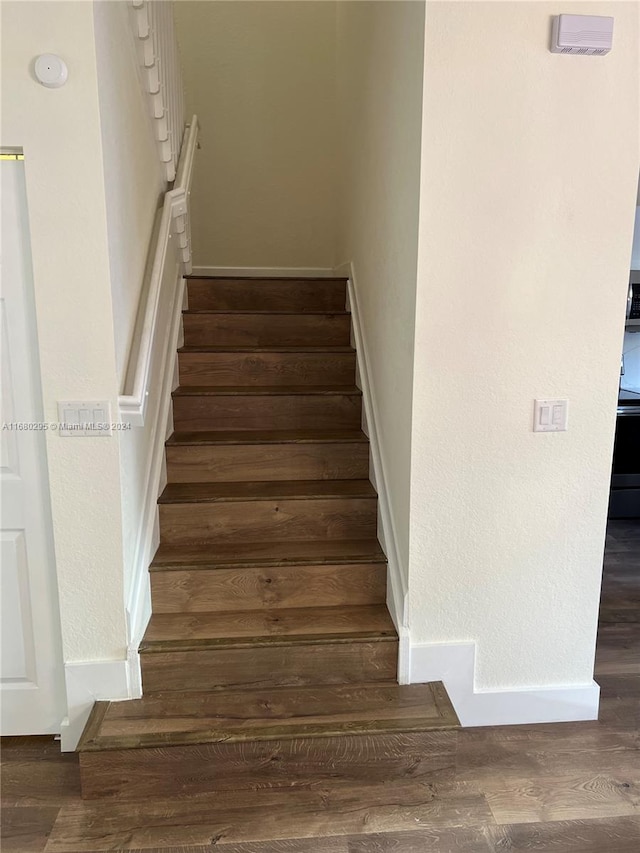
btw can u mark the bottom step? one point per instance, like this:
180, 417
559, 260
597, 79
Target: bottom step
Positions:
171, 745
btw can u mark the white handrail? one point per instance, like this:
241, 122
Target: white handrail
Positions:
174, 219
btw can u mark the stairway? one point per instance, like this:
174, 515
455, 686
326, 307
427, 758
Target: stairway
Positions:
270, 657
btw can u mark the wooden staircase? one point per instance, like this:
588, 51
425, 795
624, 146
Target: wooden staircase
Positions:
270, 657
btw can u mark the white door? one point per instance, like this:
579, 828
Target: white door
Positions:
32, 699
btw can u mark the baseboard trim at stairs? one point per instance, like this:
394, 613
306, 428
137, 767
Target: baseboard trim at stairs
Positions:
88, 682
396, 585
266, 272
454, 665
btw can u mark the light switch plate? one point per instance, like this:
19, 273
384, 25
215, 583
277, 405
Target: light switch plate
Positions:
550, 415
81, 418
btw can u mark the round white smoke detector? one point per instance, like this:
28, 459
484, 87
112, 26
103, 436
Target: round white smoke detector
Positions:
51, 71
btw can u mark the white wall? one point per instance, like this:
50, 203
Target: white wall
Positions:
133, 176
525, 232
134, 184
59, 130
379, 80
260, 77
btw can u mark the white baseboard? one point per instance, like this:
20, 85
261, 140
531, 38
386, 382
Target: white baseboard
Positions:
396, 576
454, 664
88, 682
266, 272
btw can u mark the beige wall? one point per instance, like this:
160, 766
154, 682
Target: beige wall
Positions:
530, 163
133, 176
59, 130
379, 77
134, 184
260, 77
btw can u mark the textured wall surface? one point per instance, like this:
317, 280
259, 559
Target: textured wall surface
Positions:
529, 171
133, 176
261, 77
379, 76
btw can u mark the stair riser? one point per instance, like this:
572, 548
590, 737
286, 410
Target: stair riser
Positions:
220, 330
276, 368
265, 666
250, 462
268, 520
266, 295
210, 768
216, 590
284, 411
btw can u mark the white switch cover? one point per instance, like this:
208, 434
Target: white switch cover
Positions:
84, 418
550, 415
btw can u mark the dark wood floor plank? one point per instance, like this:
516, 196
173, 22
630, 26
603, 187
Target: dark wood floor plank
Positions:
132, 774
509, 752
294, 845
277, 814
608, 835
35, 773
25, 829
618, 648
541, 798
431, 839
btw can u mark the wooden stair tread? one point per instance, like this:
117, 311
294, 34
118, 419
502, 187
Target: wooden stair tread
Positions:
267, 554
265, 390
268, 490
180, 631
255, 312
271, 279
274, 436
270, 349
282, 713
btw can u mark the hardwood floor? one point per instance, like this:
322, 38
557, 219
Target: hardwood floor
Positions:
562, 788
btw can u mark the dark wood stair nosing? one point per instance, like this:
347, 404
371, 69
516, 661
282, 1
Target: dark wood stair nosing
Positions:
332, 312
267, 278
280, 490
338, 349
201, 644
267, 391
211, 563
270, 437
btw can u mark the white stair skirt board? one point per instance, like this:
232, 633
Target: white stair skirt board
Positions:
88, 682
139, 604
263, 272
454, 664
396, 573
